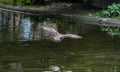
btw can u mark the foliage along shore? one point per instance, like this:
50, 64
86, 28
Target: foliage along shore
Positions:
31, 9
55, 8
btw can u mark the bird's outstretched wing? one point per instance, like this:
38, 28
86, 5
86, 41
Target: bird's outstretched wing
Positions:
72, 36
51, 30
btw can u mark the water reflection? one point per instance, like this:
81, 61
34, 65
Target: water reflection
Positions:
81, 64
11, 66
23, 48
21, 27
26, 27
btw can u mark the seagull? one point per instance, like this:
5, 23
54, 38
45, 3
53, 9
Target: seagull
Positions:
55, 36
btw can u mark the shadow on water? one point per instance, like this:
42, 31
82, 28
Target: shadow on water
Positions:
25, 47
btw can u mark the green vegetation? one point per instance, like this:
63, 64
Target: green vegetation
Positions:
15, 1
6, 1
112, 11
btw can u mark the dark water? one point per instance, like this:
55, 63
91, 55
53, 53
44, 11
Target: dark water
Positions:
24, 47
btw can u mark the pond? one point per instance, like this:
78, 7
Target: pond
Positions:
25, 47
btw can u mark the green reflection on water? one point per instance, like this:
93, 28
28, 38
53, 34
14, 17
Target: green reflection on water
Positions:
95, 52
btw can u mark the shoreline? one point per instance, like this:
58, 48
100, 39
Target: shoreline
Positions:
49, 9
33, 9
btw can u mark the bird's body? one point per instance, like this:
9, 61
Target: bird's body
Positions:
55, 68
56, 36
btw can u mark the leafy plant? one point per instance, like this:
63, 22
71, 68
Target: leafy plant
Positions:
112, 11
105, 13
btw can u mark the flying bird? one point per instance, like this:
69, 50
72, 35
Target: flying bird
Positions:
56, 36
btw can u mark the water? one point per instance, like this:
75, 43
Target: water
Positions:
24, 47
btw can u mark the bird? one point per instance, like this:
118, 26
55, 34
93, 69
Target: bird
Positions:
56, 68
55, 36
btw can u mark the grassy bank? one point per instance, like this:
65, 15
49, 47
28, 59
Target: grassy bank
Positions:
15, 1
6, 1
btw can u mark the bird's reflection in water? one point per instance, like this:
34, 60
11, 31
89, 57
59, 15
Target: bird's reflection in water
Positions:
56, 68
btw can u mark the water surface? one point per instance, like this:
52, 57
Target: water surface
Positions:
25, 47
